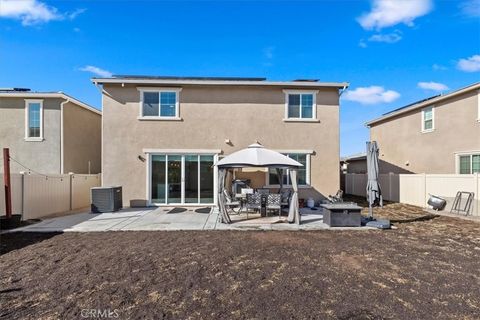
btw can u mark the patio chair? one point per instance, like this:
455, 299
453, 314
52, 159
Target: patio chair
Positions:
285, 198
230, 204
338, 197
246, 190
274, 202
263, 191
254, 201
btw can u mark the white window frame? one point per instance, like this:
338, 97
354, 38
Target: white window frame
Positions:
423, 119
307, 175
27, 126
159, 91
466, 153
314, 106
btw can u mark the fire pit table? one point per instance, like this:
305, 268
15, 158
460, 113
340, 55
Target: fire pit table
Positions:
346, 214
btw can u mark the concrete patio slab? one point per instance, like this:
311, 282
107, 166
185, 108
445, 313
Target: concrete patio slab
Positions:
163, 218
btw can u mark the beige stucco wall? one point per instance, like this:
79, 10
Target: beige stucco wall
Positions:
360, 166
209, 116
82, 139
42, 156
457, 129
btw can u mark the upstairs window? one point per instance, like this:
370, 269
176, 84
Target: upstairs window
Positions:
33, 120
300, 105
469, 163
427, 119
159, 104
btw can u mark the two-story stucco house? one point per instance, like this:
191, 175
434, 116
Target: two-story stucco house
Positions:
162, 135
49, 132
436, 135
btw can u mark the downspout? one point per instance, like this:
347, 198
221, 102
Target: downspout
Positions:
101, 133
98, 86
62, 149
339, 95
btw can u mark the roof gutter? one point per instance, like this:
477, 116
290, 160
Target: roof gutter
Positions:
124, 81
345, 87
41, 95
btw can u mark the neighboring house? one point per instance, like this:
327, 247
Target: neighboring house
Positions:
162, 135
356, 163
440, 134
50, 132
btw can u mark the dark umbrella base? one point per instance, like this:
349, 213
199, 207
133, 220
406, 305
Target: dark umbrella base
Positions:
379, 224
14, 222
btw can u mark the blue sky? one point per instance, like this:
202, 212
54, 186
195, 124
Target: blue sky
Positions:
392, 52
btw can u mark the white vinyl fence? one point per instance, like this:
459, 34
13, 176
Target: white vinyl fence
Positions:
415, 189
36, 196
356, 184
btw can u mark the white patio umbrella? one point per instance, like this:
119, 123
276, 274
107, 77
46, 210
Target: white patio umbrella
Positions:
374, 192
258, 156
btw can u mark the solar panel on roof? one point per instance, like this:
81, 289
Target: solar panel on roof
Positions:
189, 78
411, 104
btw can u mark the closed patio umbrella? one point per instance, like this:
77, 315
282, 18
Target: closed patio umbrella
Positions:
293, 211
221, 197
374, 192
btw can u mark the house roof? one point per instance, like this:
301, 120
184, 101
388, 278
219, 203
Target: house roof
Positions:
216, 81
422, 103
353, 157
39, 95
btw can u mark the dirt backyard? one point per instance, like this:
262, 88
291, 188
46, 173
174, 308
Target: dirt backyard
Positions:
428, 268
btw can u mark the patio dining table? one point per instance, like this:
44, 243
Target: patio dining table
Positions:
242, 197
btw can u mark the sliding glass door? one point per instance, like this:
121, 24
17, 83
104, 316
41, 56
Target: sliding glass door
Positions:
206, 179
158, 178
174, 179
181, 179
191, 179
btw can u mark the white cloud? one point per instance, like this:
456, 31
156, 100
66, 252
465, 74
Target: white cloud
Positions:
388, 38
32, 12
97, 71
470, 8
268, 52
387, 13
75, 13
362, 43
471, 64
371, 95
435, 86
438, 67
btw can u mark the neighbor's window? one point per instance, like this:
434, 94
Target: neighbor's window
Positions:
160, 104
34, 119
427, 119
469, 163
300, 105
303, 172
